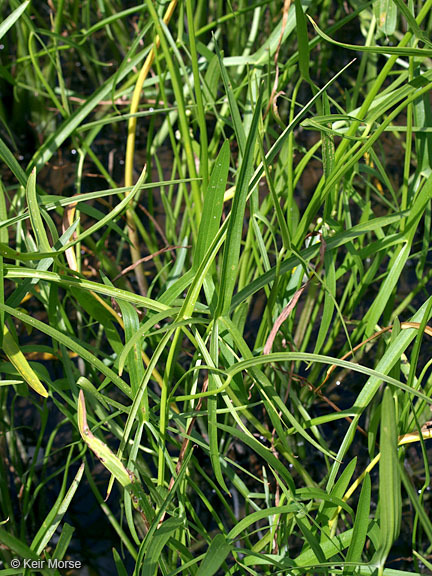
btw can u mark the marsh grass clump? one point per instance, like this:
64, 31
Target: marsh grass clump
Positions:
215, 228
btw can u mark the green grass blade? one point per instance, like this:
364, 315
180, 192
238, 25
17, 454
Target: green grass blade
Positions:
69, 343
35, 215
390, 357
372, 316
394, 50
10, 160
328, 548
389, 479
414, 27
158, 542
303, 41
88, 285
338, 490
233, 106
251, 519
215, 556
52, 521
4, 238
418, 506
20, 550
265, 453
55, 140
213, 205
386, 15
309, 357
339, 239
121, 568
361, 523
64, 541
12, 18
235, 225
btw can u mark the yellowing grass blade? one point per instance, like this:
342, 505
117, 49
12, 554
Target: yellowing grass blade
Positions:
17, 358
113, 464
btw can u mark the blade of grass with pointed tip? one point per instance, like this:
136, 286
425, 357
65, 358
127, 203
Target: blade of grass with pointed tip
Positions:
361, 523
4, 238
134, 360
19, 361
35, 215
233, 106
338, 490
121, 568
213, 205
63, 541
328, 548
51, 522
235, 225
310, 538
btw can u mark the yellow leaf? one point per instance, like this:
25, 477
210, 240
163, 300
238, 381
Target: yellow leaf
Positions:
17, 358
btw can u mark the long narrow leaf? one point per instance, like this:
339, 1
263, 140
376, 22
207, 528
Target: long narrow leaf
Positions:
19, 361
389, 479
235, 225
12, 18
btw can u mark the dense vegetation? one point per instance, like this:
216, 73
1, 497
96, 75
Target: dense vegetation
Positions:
215, 230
